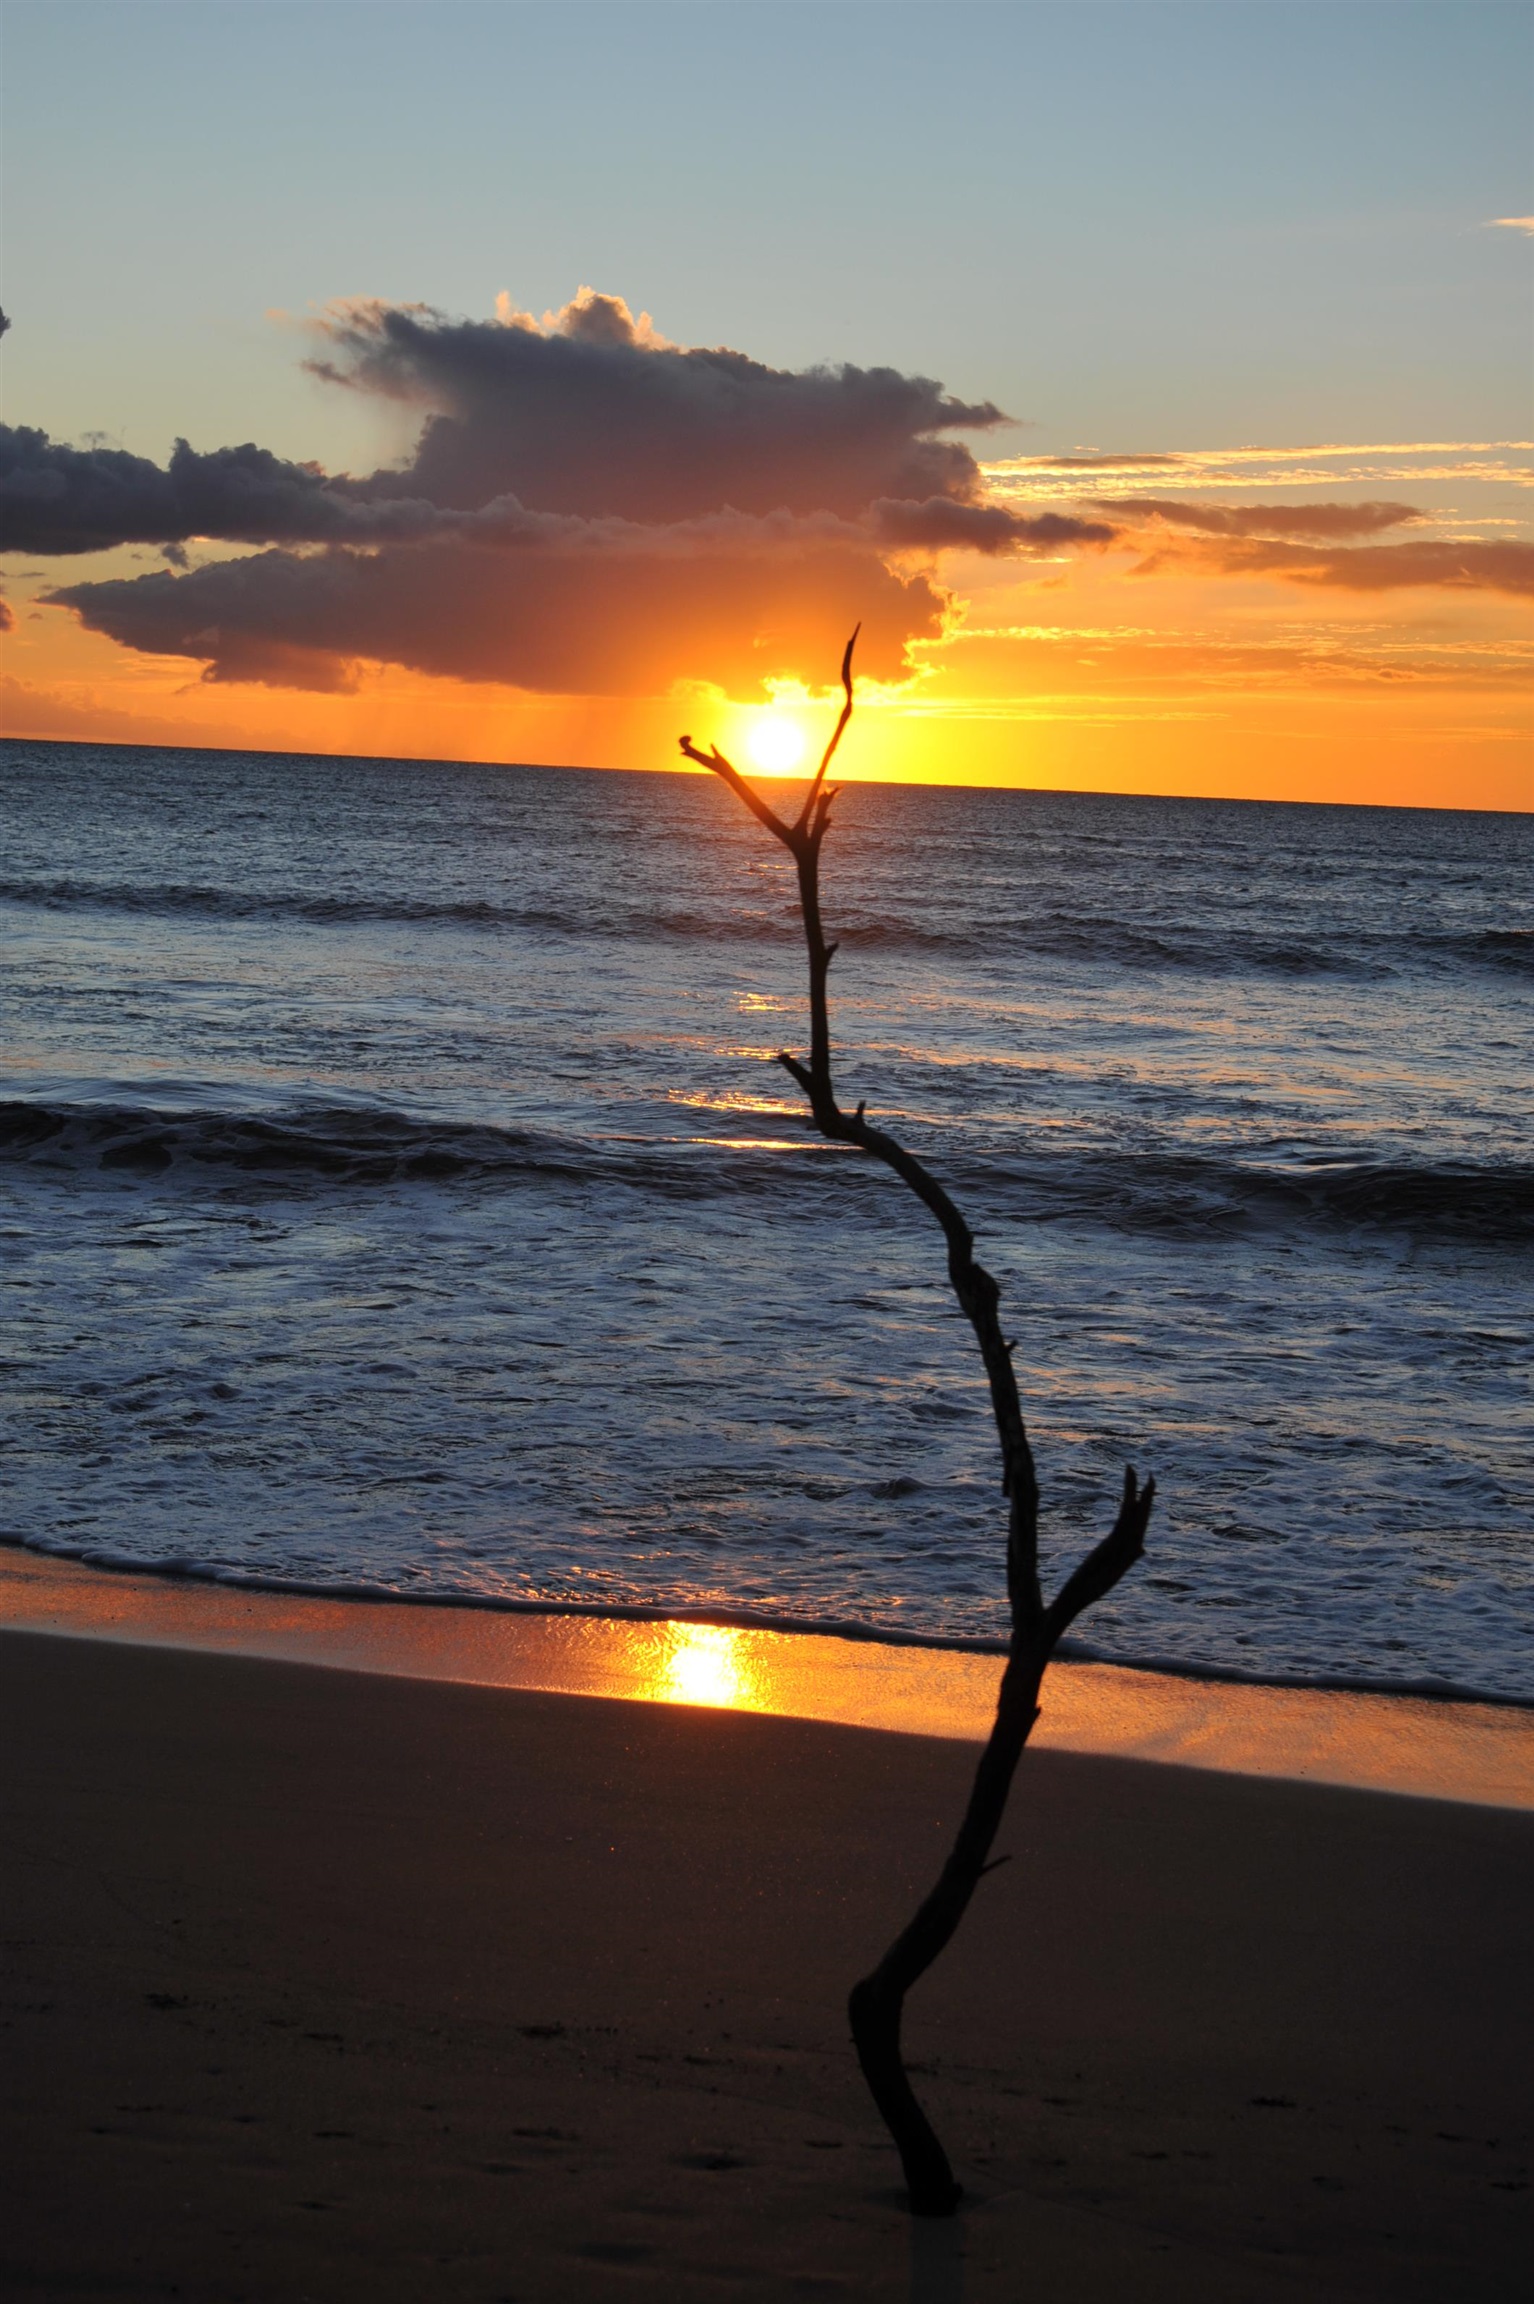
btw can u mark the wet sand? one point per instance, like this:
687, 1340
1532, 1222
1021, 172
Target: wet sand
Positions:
1452, 1750
336, 1985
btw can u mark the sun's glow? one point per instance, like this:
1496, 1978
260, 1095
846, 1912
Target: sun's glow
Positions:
775, 743
703, 1664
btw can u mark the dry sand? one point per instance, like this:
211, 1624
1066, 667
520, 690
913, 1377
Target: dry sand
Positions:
326, 1985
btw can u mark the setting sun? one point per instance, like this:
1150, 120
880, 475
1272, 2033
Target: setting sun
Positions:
775, 743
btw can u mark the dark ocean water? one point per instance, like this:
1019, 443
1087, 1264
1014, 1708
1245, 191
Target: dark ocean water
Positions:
397, 1194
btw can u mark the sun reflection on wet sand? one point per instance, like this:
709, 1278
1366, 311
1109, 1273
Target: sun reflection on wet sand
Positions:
1452, 1751
703, 1664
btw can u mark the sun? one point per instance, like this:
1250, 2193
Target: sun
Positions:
775, 743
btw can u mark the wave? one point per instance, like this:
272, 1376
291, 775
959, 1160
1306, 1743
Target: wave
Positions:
1511, 948
1076, 937
321, 1142
1070, 1651
1160, 1191
192, 900
1155, 1190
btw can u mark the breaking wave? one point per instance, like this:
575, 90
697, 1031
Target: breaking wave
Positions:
322, 1145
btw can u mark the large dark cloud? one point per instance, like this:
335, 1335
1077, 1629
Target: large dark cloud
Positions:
588, 418
612, 619
1338, 522
592, 413
541, 600
586, 507
591, 419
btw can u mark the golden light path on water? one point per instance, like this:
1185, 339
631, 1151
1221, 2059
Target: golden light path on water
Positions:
1444, 1750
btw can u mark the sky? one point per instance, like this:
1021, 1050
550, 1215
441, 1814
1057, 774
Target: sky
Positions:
1152, 383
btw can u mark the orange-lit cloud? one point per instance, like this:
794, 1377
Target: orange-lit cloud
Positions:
1447, 565
1329, 464
618, 620
1339, 522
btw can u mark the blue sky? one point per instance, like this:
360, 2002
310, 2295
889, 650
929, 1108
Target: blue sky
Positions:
1135, 225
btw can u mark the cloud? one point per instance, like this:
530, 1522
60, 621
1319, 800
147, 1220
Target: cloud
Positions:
588, 415
1130, 461
1065, 659
1322, 464
1510, 223
612, 621
590, 412
7, 615
1336, 521
1457, 567
59, 500
588, 508
940, 525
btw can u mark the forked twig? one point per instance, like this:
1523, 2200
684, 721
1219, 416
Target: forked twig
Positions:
877, 2003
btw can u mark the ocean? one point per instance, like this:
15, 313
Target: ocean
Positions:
398, 1196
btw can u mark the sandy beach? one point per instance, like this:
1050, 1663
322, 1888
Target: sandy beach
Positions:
331, 1985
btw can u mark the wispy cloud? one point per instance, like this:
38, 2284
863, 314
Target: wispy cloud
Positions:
1506, 567
1510, 223
1324, 464
1335, 521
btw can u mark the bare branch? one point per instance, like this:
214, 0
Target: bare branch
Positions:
714, 759
877, 2003
836, 736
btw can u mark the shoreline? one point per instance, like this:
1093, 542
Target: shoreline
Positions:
1430, 1688
1429, 1745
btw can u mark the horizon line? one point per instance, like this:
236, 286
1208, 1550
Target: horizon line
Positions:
874, 783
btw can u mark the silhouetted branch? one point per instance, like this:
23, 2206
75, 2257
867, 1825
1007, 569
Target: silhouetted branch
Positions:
877, 2003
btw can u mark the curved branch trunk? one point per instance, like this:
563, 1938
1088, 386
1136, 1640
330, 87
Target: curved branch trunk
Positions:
877, 2003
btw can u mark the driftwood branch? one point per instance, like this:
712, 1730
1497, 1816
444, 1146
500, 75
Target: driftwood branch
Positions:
877, 2003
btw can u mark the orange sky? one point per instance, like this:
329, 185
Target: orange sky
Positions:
1084, 676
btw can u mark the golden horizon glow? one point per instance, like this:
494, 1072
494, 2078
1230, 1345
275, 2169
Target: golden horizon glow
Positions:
1089, 678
